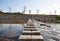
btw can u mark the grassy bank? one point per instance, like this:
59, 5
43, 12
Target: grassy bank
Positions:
57, 19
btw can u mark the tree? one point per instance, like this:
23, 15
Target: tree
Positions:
24, 10
55, 12
29, 11
50, 12
1, 12
10, 9
37, 11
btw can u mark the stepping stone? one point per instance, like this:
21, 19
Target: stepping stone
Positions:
31, 38
31, 32
25, 37
30, 29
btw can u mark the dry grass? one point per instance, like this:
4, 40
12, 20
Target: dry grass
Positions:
21, 21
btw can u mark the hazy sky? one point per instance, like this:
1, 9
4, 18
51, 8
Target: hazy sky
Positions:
44, 6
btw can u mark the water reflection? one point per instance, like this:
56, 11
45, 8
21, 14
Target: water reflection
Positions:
56, 26
10, 30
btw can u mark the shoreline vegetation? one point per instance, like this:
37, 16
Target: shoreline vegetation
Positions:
57, 19
22, 18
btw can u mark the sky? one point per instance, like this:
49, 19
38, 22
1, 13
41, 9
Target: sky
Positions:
44, 6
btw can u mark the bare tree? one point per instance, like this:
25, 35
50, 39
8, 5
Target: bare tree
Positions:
50, 12
24, 10
0, 10
29, 11
55, 12
37, 11
10, 9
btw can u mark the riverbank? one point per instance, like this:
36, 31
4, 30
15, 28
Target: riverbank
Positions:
57, 21
22, 18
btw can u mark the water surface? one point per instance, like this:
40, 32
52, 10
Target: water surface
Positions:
11, 30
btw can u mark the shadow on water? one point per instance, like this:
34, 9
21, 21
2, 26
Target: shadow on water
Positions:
11, 31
